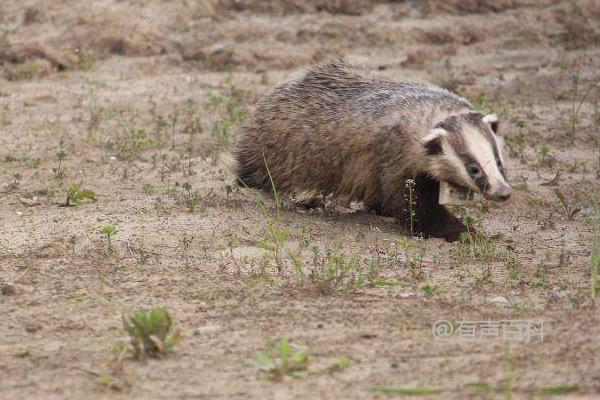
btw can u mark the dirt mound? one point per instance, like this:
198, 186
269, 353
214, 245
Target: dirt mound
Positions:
112, 33
76, 43
28, 60
580, 24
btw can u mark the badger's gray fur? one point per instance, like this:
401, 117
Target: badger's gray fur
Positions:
335, 131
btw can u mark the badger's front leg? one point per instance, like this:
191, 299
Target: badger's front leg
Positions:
415, 204
430, 219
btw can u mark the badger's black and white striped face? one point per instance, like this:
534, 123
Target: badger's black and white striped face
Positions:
465, 151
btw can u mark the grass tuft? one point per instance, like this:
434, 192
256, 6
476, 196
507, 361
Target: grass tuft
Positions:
393, 391
151, 333
281, 360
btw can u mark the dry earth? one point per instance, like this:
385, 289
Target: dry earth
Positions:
141, 102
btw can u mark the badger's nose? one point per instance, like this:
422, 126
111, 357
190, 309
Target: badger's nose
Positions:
502, 193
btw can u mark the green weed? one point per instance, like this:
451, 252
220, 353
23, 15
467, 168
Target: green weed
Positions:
75, 195
414, 250
276, 237
228, 105
60, 157
151, 333
14, 185
480, 387
543, 151
404, 390
430, 290
578, 102
557, 390
281, 360
109, 231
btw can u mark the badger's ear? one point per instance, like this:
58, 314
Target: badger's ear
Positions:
492, 121
433, 142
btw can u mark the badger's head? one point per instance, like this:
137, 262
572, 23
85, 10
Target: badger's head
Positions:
465, 151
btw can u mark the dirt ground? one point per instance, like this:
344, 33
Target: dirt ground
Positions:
142, 102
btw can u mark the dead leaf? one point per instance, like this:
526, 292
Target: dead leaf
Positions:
554, 181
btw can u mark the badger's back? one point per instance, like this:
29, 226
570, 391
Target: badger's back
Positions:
323, 132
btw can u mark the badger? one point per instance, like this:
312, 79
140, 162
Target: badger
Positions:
337, 131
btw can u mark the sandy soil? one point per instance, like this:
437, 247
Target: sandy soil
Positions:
134, 99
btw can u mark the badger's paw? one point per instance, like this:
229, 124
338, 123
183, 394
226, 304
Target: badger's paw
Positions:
450, 232
453, 236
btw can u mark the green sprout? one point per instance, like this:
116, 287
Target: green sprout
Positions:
75, 195
109, 231
151, 333
60, 157
275, 364
544, 151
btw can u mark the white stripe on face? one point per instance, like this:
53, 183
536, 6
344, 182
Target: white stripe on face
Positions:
480, 148
500, 146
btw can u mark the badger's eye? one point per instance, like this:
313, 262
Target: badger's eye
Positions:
473, 170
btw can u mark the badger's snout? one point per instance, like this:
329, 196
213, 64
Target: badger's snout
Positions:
500, 193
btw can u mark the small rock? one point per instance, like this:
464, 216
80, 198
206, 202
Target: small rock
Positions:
30, 202
368, 335
22, 354
32, 327
207, 329
499, 300
8, 290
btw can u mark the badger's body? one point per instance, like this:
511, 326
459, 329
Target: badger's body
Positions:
334, 131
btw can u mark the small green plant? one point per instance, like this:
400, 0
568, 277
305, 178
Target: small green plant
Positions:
415, 250
186, 244
512, 262
541, 275
543, 151
411, 200
185, 196
129, 140
340, 364
75, 195
109, 231
151, 333
557, 390
577, 102
276, 237
60, 157
337, 271
472, 244
173, 119
228, 105
191, 197
404, 390
15, 183
479, 387
149, 188
281, 360
430, 290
